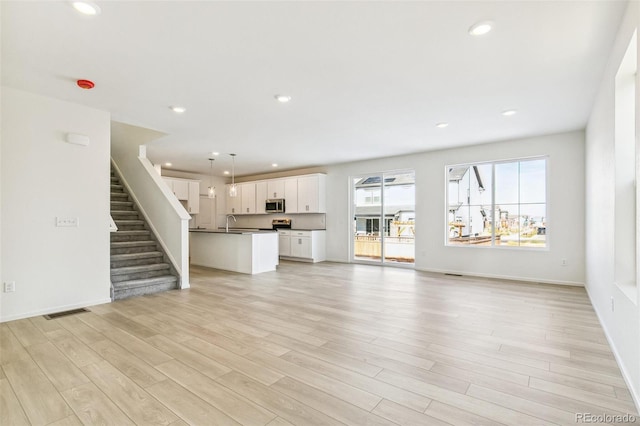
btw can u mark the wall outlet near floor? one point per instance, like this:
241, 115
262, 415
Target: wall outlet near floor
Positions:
613, 304
71, 222
563, 262
10, 287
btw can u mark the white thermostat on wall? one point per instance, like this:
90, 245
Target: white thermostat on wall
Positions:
77, 139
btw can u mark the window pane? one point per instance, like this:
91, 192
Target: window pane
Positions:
480, 184
459, 226
508, 225
458, 185
480, 225
506, 183
533, 185
533, 227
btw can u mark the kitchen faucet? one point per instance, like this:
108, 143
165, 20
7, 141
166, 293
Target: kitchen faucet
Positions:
229, 216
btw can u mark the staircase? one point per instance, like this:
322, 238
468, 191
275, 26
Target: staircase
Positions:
138, 263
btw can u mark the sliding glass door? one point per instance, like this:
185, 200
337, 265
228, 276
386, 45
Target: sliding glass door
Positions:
384, 218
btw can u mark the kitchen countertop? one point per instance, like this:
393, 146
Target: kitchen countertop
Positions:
237, 231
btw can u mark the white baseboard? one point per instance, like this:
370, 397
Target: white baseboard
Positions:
503, 277
55, 309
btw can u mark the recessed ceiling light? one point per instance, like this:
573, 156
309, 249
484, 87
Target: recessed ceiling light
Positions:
274, 165
226, 172
283, 98
509, 112
86, 8
168, 164
481, 28
442, 125
215, 153
177, 109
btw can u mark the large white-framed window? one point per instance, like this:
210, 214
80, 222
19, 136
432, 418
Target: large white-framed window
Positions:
497, 204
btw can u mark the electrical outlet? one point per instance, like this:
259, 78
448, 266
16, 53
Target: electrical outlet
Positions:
564, 262
70, 222
10, 287
613, 304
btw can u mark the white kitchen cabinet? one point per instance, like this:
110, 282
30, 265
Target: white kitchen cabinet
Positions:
248, 198
181, 189
193, 200
291, 195
301, 246
307, 246
234, 204
261, 197
284, 243
185, 190
312, 192
275, 188
302, 194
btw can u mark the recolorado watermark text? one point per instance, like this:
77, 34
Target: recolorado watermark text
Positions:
605, 418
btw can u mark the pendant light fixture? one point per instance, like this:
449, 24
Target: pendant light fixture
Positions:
233, 189
212, 189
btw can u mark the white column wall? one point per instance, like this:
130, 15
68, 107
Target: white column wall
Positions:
618, 310
43, 177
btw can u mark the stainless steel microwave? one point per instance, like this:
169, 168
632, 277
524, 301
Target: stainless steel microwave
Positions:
274, 206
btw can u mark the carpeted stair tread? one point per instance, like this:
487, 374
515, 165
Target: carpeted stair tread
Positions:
145, 282
124, 214
140, 243
139, 268
133, 232
125, 222
116, 203
130, 256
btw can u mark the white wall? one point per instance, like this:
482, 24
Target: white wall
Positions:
565, 211
43, 177
622, 324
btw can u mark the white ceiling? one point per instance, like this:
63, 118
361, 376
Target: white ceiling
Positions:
367, 79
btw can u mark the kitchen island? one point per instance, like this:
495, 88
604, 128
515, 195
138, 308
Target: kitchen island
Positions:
244, 251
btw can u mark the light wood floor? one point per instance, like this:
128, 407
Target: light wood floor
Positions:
317, 344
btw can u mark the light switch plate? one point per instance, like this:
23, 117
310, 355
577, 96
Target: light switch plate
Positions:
71, 222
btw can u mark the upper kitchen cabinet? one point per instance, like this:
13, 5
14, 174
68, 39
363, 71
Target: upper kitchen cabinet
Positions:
193, 202
302, 194
179, 187
291, 195
248, 198
261, 197
186, 190
275, 188
234, 204
312, 194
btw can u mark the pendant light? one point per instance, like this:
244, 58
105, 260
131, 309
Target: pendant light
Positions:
212, 189
233, 189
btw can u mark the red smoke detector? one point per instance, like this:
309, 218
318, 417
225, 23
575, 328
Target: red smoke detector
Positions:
85, 84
